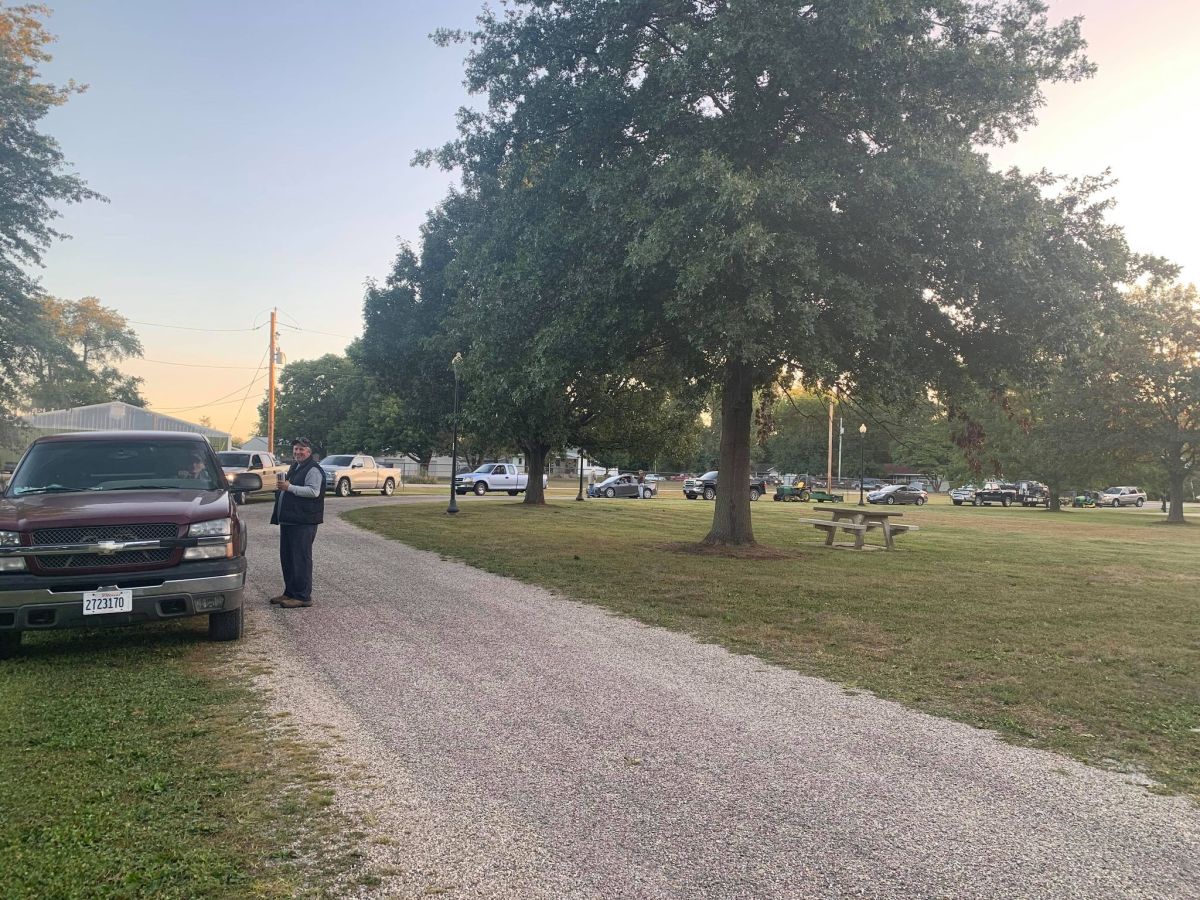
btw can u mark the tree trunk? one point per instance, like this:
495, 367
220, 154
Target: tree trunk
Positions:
1054, 506
535, 465
1175, 509
731, 516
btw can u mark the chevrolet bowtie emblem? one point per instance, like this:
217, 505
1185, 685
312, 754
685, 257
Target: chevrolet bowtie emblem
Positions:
107, 548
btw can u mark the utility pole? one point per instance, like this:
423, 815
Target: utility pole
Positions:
271, 392
829, 458
841, 431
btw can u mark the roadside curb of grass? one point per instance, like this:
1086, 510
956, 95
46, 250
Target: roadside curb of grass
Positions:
175, 781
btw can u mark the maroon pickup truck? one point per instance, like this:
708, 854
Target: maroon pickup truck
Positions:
120, 528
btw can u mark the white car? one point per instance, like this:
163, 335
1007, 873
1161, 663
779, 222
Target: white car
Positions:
1125, 495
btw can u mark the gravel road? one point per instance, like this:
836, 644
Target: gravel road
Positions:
512, 743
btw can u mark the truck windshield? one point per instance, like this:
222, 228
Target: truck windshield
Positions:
485, 469
66, 466
334, 462
234, 460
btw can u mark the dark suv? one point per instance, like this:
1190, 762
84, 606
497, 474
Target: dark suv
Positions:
120, 528
706, 486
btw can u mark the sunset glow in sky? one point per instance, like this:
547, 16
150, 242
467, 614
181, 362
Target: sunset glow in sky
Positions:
257, 155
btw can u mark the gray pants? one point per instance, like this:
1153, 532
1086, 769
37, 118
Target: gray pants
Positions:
295, 559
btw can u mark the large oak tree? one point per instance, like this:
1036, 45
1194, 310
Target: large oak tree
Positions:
798, 185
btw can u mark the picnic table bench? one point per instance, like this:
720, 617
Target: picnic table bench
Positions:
858, 521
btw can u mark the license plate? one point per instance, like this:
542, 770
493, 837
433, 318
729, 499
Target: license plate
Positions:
101, 602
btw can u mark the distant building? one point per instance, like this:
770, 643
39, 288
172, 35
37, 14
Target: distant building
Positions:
255, 443
119, 416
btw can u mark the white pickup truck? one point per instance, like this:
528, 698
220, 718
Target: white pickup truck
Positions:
494, 477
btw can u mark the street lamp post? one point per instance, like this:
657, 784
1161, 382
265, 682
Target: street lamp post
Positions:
580, 497
862, 439
453, 507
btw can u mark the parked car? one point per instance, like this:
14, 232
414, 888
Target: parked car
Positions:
622, 486
1122, 496
964, 494
261, 463
706, 486
898, 493
494, 477
121, 528
347, 474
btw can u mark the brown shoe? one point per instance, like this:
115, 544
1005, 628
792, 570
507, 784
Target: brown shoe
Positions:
275, 601
293, 603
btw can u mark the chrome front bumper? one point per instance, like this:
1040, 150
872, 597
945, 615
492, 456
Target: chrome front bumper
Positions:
45, 608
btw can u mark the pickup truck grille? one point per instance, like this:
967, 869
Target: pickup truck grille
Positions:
86, 535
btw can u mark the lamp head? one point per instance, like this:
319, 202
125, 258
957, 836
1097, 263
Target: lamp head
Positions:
862, 429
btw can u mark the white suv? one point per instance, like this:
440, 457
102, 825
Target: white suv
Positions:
1121, 496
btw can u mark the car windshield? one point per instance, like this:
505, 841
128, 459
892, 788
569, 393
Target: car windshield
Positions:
1112, 490
335, 461
234, 460
67, 466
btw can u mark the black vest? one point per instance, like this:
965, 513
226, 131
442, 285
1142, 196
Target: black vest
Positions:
295, 510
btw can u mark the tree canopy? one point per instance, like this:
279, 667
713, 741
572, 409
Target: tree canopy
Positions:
36, 178
802, 188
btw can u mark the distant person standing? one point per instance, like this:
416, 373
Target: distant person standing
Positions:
641, 476
299, 509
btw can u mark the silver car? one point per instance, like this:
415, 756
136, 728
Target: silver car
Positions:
624, 486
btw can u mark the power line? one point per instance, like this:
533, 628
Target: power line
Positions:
216, 402
247, 394
164, 362
315, 331
192, 328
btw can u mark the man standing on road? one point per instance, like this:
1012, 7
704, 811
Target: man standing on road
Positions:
299, 509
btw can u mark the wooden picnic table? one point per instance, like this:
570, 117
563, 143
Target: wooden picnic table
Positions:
858, 520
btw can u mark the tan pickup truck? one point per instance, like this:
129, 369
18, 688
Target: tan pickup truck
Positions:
347, 474
259, 462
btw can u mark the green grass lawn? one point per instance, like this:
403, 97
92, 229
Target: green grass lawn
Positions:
1076, 631
135, 764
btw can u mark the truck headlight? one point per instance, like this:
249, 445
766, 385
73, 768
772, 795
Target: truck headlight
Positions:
10, 539
210, 528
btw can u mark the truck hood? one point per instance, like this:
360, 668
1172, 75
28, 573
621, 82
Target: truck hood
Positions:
181, 507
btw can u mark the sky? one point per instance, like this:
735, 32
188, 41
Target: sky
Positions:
257, 155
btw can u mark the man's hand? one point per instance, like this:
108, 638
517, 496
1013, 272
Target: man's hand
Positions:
284, 484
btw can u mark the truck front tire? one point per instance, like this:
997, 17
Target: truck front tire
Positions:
710, 494
389, 488
343, 488
1006, 501
481, 488
10, 642
225, 626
